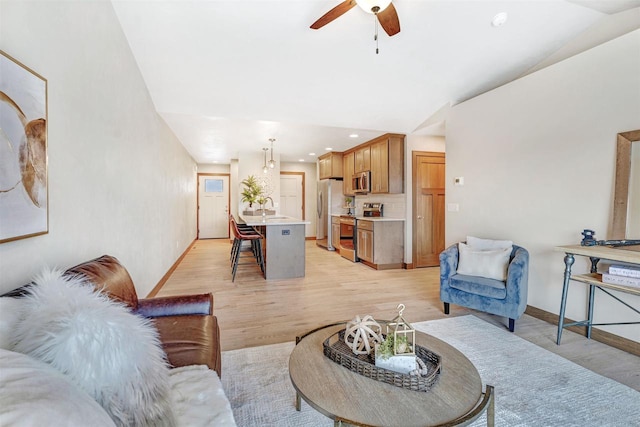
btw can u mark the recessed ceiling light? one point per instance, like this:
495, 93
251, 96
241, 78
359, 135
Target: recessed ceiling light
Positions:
312, 154
329, 149
353, 135
499, 19
301, 160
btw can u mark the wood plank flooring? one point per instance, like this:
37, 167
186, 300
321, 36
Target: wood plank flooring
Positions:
253, 311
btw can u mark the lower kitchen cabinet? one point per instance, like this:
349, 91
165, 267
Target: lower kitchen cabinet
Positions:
380, 243
335, 233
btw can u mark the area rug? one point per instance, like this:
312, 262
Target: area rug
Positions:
534, 387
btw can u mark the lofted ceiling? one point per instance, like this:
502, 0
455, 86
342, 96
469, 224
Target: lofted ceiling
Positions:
228, 75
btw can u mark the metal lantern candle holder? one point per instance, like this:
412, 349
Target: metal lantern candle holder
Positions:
404, 336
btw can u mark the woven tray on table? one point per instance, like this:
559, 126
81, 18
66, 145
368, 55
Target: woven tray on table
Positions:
364, 364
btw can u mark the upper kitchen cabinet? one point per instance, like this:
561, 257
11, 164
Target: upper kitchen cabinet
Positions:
330, 165
363, 159
348, 162
387, 164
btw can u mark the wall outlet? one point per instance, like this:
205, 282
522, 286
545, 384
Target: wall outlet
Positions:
458, 180
453, 207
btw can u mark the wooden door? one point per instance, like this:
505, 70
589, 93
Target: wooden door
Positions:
213, 206
428, 208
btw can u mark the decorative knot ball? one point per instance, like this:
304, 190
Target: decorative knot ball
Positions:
362, 335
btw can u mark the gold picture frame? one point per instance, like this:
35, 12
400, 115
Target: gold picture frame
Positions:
24, 189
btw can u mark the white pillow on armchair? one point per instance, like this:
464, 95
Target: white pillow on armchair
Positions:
492, 264
488, 244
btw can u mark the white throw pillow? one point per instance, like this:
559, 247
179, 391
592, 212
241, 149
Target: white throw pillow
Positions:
10, 314
491, 264
112, 354
488, 244
34, 393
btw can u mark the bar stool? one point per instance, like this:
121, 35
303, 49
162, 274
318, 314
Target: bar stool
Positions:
246, 230
237, 249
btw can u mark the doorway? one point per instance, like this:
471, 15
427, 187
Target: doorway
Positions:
213, 206
292, 194
428, 207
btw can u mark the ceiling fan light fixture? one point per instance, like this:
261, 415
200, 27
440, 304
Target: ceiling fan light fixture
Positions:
373, 6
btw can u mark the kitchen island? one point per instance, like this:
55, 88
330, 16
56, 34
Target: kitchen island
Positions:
284, 248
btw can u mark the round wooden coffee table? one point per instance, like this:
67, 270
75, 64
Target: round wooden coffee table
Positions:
345, 396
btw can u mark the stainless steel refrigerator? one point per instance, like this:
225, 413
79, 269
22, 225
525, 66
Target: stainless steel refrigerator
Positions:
330, 201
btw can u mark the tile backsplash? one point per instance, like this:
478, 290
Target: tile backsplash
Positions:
395, 205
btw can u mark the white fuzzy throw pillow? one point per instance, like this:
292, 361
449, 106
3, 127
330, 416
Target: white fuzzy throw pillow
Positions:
112, 354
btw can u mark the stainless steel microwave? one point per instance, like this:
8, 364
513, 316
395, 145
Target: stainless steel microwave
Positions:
362, 182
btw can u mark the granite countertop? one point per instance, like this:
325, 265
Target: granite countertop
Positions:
255, 220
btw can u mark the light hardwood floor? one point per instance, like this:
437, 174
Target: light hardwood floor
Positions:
253, 311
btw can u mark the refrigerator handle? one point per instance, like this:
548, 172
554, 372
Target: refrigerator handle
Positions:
320, 204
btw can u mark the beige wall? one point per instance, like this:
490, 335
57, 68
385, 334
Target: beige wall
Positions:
120, 183
538, 159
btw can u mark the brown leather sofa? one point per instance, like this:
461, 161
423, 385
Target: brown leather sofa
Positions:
188, 329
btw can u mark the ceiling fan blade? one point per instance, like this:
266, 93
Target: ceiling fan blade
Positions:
334, 13
389, 20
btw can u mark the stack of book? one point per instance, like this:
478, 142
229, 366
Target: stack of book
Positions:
622, 275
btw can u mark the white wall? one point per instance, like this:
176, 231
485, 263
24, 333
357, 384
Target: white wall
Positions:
538, 158
120, 183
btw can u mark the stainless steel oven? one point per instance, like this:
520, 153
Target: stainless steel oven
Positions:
348, 237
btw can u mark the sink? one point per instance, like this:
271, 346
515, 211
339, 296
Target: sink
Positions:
277, 217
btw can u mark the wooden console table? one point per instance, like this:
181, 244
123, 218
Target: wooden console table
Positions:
594, 280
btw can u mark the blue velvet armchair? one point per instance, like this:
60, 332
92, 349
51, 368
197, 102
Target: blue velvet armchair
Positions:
503, 298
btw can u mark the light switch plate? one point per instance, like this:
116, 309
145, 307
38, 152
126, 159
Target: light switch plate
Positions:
458, 180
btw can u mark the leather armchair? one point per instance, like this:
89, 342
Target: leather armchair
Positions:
503, 298
188, 330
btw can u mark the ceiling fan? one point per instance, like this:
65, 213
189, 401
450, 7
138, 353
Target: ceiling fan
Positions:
383, 9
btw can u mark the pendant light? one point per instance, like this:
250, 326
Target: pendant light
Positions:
272, 163
264, 167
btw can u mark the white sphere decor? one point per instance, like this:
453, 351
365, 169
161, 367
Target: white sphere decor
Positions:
361, 335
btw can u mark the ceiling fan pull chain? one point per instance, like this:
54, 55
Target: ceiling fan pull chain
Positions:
375, 36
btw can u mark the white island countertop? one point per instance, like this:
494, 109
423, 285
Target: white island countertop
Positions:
256, 220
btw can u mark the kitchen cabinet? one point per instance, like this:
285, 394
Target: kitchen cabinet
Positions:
363, 159
348, 170
380, 243
330, 165
387, 164
335, 233
365, 240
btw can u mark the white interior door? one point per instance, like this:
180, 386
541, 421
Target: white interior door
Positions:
213, 206
291, 196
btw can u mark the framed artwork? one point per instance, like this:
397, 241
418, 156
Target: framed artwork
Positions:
23, 151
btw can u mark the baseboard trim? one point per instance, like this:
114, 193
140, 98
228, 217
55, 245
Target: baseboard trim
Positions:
164, 279
599, 335
408, 266
310, 238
